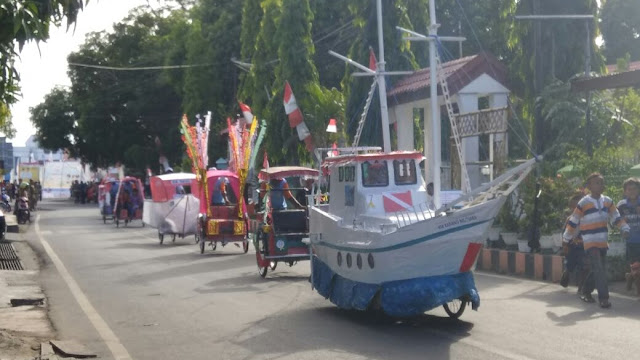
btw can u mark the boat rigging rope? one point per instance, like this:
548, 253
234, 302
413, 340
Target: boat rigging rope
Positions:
363, 117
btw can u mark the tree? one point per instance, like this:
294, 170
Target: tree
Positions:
251, 17
213, 41
54, 120
121, 114
620, 26
22, 21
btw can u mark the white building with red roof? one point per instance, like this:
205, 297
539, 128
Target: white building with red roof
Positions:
475, 83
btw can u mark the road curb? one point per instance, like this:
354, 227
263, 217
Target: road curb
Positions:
12, 223
544, 267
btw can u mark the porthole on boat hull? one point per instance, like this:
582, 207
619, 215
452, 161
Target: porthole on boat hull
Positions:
339, 258
370, 261
349, 260
359, 261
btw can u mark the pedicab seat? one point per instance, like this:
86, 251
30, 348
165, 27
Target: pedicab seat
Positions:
294, 220
224, 211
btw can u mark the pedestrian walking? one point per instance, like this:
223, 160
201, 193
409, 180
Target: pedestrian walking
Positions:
574, 255
629, 209
590, 218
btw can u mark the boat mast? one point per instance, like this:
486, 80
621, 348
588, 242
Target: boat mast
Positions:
382, 87
436, 149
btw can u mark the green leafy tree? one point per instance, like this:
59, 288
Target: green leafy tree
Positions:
22, 21
261, 88
251, 16
119, 114
54, 120
620, 26
295, 49
214, 41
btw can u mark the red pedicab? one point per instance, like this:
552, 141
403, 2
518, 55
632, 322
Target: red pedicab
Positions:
106, 200
217, 221
173, 209
280, 231
129, 201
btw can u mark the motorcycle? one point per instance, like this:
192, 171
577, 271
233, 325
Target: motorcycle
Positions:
3, 225
5, 202
23, 213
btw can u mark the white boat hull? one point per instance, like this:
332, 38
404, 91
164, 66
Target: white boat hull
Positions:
428, 258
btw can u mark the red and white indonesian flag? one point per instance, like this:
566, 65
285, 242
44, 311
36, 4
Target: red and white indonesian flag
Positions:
394, 202
295, 117
291, 107
246, 113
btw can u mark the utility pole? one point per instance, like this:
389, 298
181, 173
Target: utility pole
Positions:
538, 85
587, 73
539, 77
460, 42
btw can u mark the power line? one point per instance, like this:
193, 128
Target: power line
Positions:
163, 67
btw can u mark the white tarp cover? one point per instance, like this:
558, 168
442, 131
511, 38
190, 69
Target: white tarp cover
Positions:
178, 216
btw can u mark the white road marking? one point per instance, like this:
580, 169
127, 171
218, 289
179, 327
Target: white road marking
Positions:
113, 343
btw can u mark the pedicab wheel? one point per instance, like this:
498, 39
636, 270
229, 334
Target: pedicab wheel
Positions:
273, 265
161, 237
455, 308
201, 246
245, 246
263, 271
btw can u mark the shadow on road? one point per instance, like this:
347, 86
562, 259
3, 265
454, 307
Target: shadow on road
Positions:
251, 282
229, 262
357, 333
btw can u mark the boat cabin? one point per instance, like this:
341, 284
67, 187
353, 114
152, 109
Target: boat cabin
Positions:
380, 185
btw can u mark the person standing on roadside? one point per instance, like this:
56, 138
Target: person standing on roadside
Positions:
590, 218
574, 255
629, 208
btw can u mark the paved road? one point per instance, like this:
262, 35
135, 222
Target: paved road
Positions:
170, 302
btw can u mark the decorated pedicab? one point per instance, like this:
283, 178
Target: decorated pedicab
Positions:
283, 218
129, 201
107, 191
223, 214
172, 209
222, 217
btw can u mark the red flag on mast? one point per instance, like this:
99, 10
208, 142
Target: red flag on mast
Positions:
372, 60
291, 107
295, 117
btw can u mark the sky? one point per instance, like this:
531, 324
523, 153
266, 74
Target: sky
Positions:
44, 68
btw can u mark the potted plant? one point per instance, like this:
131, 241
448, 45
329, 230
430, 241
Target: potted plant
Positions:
509, 218
553, 196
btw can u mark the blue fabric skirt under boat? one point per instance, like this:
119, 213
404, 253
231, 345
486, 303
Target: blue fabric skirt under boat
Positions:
400, 298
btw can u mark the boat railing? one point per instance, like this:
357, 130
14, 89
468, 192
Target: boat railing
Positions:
418, 213
321, 153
